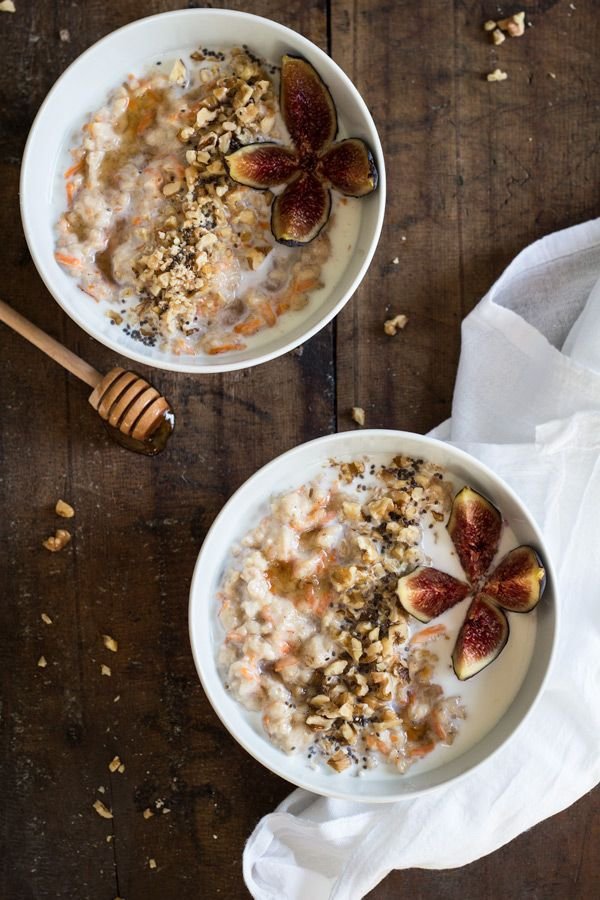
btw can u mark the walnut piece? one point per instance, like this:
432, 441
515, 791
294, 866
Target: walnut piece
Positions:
498, 37
497, 75
46, 619
110, 643
61, 539
64, 509
115, 764
392, 326
102, 810
42, 662
513, 25
7, 6
105, 670
358, 414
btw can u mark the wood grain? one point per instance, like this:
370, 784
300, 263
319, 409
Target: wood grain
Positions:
468, 189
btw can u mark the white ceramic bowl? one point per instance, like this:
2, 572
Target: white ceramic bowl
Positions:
84, 88
243, 511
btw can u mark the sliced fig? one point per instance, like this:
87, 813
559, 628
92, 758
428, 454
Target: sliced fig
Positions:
481, 639
426, 592
262, 165
306, 105
301, 211
350, 168
518, 581
474, 526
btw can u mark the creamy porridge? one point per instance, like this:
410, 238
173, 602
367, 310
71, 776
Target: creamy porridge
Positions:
316, 639
155, 228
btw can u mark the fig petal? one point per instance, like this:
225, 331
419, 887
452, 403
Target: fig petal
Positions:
426, 592
474, 526
350, 168
481, 639
301, 211
518, 581
307, 106
262, 165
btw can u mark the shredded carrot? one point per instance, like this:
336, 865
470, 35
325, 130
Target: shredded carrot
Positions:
248, 674
281, 308
250, 326
74, 169
421, 750
375, 743
428, 634
70, 188
284, 648
225, 348
136, 220
266, 311
71, 261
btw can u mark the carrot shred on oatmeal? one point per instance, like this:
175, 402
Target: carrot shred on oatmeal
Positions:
225, 348
428, 634
234, 637
250, 326
266, 311
70, 261
285, 662
70, 189
307, 284
421, 749
74, 169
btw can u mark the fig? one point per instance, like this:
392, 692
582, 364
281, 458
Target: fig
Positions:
349, 167
474, 526
481, 639
307, 106
426, 592
518, 581
301, 211
310, 167
262, 165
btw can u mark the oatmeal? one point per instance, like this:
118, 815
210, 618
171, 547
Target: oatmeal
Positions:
156, 228
316, 638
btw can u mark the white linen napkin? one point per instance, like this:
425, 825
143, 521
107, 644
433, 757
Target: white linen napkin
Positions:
527, 403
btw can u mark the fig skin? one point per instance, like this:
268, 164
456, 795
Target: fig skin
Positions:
349, 168
427, 592
306, 105
481, 639
518, 581
262, 165
475, 526
300, 211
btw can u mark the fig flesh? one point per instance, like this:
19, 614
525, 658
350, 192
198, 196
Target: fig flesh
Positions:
349, 167
307, 106
474, 526
481, 639
427, 592
518, 581
262, 165
301, 211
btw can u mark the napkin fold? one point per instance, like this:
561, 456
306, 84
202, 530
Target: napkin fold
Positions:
527, 403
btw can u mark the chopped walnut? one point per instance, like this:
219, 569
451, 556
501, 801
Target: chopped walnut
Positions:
147, 814
152, 863
115, 765
102, 810
105, 670
358, 414
46, 619
65, 35
110, 643
7, 6
42, 662
64, 509
489, 25
498, 37
392, 326
178, 74
339, 761
513, 25
497, 75
61, 539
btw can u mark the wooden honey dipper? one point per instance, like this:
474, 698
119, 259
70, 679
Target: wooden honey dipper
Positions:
136, 415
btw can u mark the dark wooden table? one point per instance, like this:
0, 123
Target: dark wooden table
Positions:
476, 172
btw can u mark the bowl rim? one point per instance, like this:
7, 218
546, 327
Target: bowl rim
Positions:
325, 440
47, 276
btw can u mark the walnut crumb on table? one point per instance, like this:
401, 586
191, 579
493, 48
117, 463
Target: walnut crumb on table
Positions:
147, 814
42, 662
392, 326
358, 414
55, 543
110, 643
497, 75
64, 509
105, 670
46, 619
152, 863
115, 765
7, 6
102, 810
